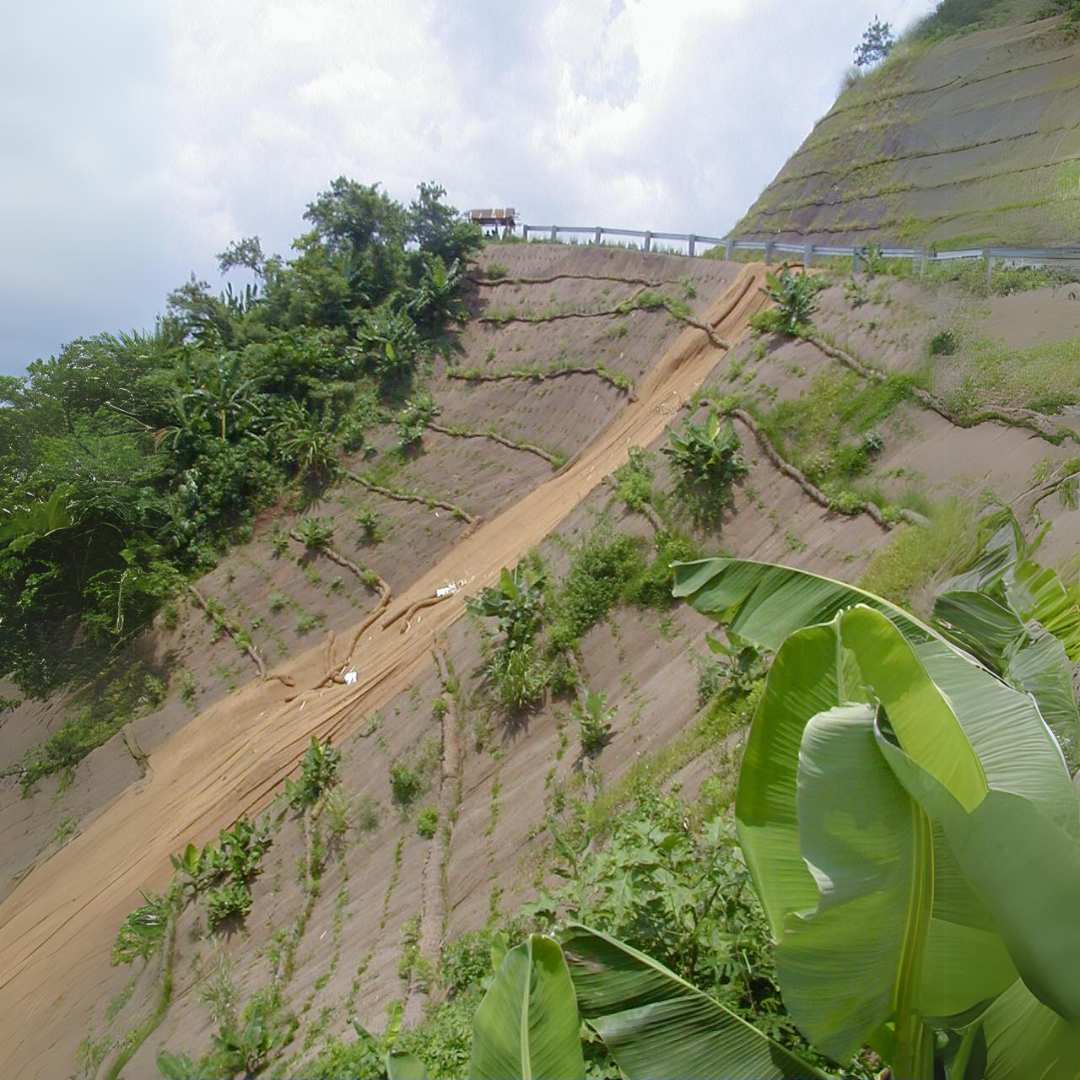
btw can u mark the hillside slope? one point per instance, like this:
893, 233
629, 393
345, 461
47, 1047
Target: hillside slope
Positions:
338, 933
970, 141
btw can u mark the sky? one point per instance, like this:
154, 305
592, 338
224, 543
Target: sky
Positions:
140, 138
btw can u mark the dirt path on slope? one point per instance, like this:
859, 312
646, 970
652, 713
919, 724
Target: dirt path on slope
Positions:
57, 928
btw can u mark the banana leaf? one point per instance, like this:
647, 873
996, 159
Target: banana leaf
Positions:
764, 603
659, 1027
402, 1066
527, 1025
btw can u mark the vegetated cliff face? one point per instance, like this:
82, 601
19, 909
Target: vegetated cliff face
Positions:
969, 141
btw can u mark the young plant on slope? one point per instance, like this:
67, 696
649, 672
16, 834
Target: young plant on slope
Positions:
709, 463
515, 671
793, 294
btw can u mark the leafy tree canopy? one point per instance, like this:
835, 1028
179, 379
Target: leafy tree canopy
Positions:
127, 458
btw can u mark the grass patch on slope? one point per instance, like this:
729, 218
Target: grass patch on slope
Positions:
1045, 377
915, 556
952, 17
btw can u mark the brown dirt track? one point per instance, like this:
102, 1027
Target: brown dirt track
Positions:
57, 928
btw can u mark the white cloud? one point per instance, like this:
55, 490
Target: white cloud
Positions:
141, 138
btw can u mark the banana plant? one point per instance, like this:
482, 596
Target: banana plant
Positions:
911, 828
655, 1024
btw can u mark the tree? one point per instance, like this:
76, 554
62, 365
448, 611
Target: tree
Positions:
877, 42
246, 253
437, 228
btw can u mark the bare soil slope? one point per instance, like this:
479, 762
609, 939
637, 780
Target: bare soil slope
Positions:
229, 759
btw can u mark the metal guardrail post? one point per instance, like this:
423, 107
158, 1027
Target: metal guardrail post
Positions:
854, 260
690, 242
808, 256
599, 235
768, 252
729, 249
525, 233
989, 260
648, 241
554, 233
924, 262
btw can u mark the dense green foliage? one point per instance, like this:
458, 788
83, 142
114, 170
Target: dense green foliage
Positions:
128, 460
887, 760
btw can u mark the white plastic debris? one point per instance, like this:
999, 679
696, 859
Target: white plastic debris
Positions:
447, 590
350, 677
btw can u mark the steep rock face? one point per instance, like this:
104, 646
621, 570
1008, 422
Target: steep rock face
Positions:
972, 140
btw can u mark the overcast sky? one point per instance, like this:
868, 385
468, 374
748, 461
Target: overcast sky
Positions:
140, 136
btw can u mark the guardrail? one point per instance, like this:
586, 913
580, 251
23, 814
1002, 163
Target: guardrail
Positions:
808, 252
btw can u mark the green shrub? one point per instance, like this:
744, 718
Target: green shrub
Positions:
265, 1028
225, 902
427, 822
517, 602
594, 718
731, 671
308, 622
371, 525
406, 784
466, 961
142, 931
414, 419
709, 462
518, 676
318, 773
944, 343
316, 533
652, 587
844, 501
769, 321
793, 295
601, 570
634, 480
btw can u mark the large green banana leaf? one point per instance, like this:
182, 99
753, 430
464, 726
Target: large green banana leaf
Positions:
765, 603
1020, 619
970, 731
402, 1066
1007, 571
527, 1025
1024, 1039
659, 1027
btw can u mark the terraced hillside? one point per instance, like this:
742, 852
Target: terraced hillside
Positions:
968, 141
868, 453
